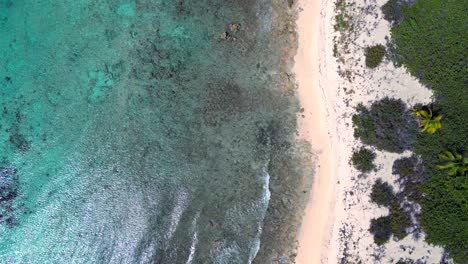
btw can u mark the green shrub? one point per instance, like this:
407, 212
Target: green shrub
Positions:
382, 193
387, 125
374, 55
363, 159
381, 229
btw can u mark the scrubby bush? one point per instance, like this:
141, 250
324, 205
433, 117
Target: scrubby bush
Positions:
363, 159
411, 176
342, 18
381, 229
382, 193
399, 221
402, 261
374, 55
395, 223
406, 167
393, 12
387, 125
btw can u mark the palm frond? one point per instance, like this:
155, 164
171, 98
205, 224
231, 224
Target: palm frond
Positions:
453, 171
447, 155
424, 114
456, 165
446, 165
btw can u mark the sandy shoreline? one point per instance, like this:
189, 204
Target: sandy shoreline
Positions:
313, 126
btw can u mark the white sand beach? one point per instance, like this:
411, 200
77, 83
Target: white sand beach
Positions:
337, 217
313, 127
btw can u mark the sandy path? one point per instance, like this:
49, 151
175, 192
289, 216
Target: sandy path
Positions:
314, 127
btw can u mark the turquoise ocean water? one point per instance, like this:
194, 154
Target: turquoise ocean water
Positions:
137, 132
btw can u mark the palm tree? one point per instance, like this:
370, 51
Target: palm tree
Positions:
429, 122
455, 163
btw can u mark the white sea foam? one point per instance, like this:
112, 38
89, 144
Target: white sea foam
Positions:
180, 205
263, 205
192, 247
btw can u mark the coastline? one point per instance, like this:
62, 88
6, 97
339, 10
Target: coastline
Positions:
315, 127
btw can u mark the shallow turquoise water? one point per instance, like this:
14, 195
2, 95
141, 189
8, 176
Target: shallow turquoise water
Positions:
136, 133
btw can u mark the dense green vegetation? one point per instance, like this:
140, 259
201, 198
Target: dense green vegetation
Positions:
363, 159
374, 55
431, 42
388, 125
382, 193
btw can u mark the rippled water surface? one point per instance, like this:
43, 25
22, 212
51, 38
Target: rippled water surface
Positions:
136, 131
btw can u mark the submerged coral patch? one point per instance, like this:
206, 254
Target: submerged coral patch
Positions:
8, 192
